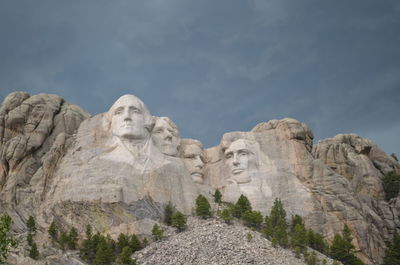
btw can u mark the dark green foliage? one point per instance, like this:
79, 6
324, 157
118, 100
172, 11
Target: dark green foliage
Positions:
104, 252
31, 224
63, 241
178, 221
242, 205
89, 246
317, 241
145, 242
168, 212
392, 254
88, 231
394, 156
72, 238
33, 252
122, 241
391, 185
135, 244
203, 207
252, 219
342, 248
29, 239
249, 237
125, 257
226, 215
157, 232
7, 241
278, 214
298, 233
217, 196
312, 258
53, 231
296, 219
275, 225
298, 237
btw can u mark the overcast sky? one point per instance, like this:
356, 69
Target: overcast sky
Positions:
215, 66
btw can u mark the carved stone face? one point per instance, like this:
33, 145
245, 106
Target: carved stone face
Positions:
165, 137
128, 119
240, 161
192, 158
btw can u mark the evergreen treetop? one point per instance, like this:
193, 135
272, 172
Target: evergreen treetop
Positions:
31, 224
7, 241
242, 205
168, 212
203, 207
217, 196
392, 254
178, 221
53, 231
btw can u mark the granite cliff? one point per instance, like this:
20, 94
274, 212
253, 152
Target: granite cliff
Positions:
117, 170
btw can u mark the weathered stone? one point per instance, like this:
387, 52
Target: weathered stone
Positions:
120, 168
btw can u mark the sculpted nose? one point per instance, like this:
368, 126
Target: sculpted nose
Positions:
199, 163
235, 160
168, 135
126, 116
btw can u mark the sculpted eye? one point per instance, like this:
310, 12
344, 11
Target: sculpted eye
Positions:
228, 155
118, 112
158, 131
135, 110
190, 156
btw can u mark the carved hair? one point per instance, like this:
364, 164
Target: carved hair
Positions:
170, 123
186, 142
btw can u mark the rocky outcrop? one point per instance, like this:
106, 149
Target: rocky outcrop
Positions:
117, 170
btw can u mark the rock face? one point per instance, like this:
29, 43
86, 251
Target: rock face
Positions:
117, 170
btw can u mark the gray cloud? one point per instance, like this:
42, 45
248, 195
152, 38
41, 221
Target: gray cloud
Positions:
215, 66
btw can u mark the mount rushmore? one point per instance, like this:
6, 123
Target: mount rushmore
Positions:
117, 170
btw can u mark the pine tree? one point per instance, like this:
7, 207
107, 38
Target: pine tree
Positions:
342, 248
122, 241
53, 231
275, 225
178, 221
89, 245
135, 244
7, 241
104, 255
31, 225
157, 232
63, 240
125, 257
145, 242
168, 212
392, 254
242, 205
298, 237
217, 196
88, 232
33, 252
226, 215
29, 239
391, 185
252, 218
203, 207
72, 238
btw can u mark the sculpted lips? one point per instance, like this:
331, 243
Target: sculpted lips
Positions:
197, 174
237, 170
127, 125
